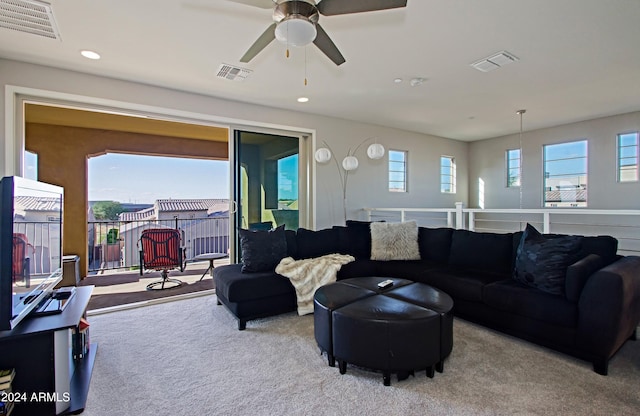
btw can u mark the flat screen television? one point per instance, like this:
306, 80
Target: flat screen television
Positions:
30, 246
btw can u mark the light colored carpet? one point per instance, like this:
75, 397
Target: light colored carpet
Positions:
188, 358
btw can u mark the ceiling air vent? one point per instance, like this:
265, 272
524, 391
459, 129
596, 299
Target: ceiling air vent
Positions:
29, 16
495, 61
233, 73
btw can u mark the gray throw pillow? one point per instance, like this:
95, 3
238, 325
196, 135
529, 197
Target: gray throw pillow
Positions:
394, 241
262, 250
542, 261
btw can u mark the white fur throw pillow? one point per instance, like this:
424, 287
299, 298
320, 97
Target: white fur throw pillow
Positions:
394, 241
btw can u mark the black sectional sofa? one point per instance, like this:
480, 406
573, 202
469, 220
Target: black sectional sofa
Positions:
596, 313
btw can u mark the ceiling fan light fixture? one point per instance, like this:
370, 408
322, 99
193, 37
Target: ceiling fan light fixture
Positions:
296, 30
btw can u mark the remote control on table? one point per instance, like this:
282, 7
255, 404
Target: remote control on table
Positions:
385, 284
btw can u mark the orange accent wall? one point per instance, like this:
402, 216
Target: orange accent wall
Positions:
62, 160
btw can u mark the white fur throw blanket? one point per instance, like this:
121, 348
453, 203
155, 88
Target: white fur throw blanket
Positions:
307, 275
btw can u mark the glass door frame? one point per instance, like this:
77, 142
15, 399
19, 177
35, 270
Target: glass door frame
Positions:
306, 184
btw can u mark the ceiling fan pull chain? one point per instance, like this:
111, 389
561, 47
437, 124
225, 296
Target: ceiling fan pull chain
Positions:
287, 40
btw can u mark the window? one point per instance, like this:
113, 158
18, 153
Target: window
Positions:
447, 175
397, 171
565, 174
628, 157
513, 168
30, 165
288, 182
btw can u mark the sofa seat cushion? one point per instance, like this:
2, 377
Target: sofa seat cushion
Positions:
236, 286
513, 297
461, 283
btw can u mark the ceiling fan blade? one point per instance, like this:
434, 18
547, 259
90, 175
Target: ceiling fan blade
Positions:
263, 4
334, 7
326, 45
266, 38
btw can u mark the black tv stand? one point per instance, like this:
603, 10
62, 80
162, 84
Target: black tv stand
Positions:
40, 349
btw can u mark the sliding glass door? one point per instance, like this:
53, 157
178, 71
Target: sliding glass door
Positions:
268, 181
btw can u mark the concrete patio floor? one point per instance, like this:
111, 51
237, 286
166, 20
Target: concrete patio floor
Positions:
118, 288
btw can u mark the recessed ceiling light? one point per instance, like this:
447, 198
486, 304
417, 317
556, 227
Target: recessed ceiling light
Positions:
397, 80
303, 99
90, 54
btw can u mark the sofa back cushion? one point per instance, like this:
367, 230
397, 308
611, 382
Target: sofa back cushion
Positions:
435, 243
317, 243
359, 239
604, 246
292, 243
486, 251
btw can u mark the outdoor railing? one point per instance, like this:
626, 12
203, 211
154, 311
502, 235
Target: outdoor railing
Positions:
114, 244
621, 224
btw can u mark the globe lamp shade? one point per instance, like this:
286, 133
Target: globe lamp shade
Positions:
323, 155
375, 151
350, 163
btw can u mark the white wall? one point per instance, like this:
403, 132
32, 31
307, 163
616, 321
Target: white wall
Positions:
367, 186
488, 163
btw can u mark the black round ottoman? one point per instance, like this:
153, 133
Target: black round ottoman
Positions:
330, 297
400, 329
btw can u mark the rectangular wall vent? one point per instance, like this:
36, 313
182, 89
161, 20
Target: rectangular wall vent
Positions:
495, 61
29, 16
233, 73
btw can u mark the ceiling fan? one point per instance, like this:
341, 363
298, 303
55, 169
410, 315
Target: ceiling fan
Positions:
296, 22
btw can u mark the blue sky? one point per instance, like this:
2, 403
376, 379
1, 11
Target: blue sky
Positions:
143, 179
288, 177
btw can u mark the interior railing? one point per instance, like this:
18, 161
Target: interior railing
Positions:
621, 224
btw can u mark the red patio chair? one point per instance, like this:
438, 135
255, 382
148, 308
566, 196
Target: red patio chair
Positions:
160, 249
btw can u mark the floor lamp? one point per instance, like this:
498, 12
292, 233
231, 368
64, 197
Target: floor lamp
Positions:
349, 163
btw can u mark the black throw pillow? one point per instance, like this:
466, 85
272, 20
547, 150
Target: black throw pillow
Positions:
262, 250
542, 261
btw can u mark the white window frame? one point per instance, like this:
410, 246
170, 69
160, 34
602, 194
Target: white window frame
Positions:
508, 159
403, 182
451, 175
619, 158
571, 197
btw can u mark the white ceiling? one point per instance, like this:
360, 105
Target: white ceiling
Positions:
578, 59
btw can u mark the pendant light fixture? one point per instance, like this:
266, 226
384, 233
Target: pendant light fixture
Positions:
521, 113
